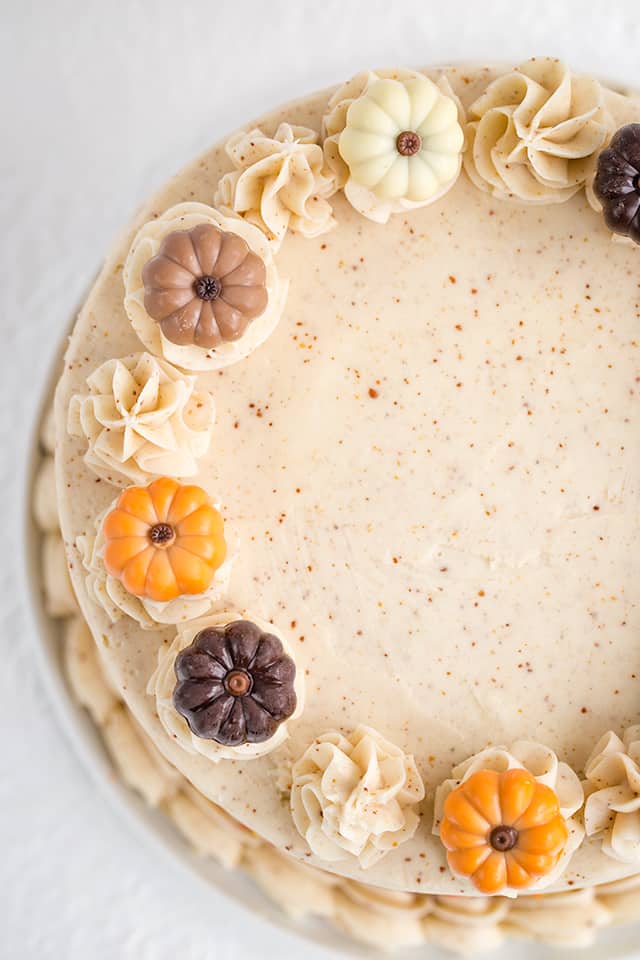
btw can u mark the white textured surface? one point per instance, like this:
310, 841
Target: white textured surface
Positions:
101, 102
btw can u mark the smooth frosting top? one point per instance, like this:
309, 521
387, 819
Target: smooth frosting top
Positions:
429, 473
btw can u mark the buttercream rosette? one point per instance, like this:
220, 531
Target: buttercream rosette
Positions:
85, 673
412, 101
146, 246
279, 183
612, 789
210, 830
621, 899
162, 684
392, 919
45, 502
543, 765
60, 600
567, 919
297, 888
466, 924
142, 417
535, 133
110, 593
355, 796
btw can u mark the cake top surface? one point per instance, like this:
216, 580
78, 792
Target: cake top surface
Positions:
429, 477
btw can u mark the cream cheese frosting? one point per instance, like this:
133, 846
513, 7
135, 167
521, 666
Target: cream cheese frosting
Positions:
534, 134
60, 599
612, 808
45, 506
432, 477
142, 418
279, 183
146, 244
355, 796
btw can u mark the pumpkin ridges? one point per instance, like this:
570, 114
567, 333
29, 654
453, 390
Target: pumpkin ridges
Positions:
517, 788
234, 250
161, 582
206, 244
535, 864
204, 521
160, 272
455, 838
134, 573
252, 301
137, 501
491, 875
482, 792
469, 860
179, 247
459, 809
185, 502
120, 551
543, 808
118, 523
163, 492
191, 571
253, 273
518, 876
549, 837
204, 548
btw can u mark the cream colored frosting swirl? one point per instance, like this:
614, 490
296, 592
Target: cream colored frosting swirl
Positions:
612, 787
45, 504
535, 132
209, 829
141, 418
334, 122
109, 593
355, 796
139, 762
381, 917
60, 600
163, 681
542, 763
567, 919
185, 216
621, 898
85, 673
298, 888
279, 183
466, 924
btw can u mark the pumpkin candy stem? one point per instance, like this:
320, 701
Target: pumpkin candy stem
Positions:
503, 838
161, 534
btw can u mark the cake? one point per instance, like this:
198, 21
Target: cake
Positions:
347, 482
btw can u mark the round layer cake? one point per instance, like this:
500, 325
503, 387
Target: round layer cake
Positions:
348, 478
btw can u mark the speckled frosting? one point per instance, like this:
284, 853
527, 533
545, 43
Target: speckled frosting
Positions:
429, 475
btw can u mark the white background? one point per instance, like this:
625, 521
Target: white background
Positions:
101, 100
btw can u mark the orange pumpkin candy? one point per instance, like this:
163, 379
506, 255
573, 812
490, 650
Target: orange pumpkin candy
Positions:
164, 541
503, 830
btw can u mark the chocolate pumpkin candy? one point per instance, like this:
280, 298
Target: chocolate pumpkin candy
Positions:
164, 541
503, 830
